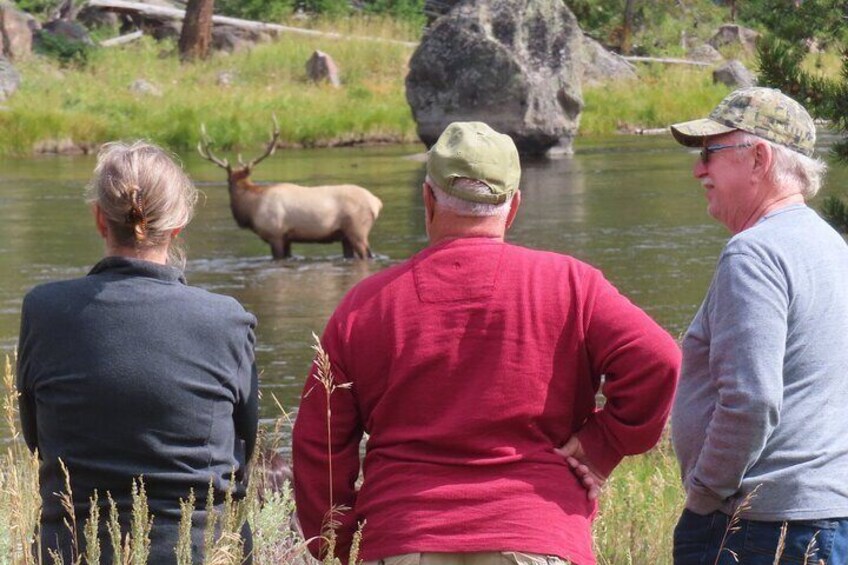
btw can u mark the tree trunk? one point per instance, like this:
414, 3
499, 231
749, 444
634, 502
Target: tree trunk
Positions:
196, 36
627, 28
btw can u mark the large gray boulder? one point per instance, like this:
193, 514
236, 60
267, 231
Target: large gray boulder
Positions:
514, 64
734, 74
599, 65
10, 79
15, 32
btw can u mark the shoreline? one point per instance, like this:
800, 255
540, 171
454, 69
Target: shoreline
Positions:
68, 147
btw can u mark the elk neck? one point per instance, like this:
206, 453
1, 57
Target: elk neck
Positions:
244, 197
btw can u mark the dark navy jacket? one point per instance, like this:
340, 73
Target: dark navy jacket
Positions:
129, 372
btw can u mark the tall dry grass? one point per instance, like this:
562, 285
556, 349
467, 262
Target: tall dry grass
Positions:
640, 505
269, 513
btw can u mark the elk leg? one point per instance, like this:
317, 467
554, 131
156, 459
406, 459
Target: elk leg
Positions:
280, 248
347, 248
361, 249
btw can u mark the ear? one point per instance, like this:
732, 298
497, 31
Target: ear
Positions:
100, 221
763, 160
513, 208
429, 201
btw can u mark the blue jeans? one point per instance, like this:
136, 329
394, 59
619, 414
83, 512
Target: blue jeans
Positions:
698, 540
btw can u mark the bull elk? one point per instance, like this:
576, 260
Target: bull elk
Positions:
285, 213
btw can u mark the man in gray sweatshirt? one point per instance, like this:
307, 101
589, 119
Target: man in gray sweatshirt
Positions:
759, 424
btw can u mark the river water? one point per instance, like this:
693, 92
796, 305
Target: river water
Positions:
628, 205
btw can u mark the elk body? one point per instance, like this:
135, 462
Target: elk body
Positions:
285, 213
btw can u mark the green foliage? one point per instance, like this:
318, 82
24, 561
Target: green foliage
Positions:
781, 66
835, 211
597, 18
409, 10
658, 26
93, 104
662, 96
68, 51
820, 19
327, 7
37, 6
263, 10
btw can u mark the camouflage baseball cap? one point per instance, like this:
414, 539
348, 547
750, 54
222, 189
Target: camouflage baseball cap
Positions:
764, 112
474, 150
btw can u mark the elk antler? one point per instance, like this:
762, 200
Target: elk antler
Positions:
204, 148
272, 146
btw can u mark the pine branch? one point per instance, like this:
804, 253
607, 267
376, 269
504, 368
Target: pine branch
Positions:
780, 67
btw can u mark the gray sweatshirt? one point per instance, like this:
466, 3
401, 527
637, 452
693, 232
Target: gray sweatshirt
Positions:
763, 394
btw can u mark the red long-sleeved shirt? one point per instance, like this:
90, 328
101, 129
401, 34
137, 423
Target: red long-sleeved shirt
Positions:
469, 363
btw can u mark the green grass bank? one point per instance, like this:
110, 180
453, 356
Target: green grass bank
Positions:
83, 105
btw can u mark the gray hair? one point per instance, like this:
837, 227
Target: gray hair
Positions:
144, 194
462, 207
791, 168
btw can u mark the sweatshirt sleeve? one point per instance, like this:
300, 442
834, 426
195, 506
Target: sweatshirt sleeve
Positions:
26, 401
640, 362
323, 461
747, 315
246, 412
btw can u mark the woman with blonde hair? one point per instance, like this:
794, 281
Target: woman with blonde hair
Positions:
130, 373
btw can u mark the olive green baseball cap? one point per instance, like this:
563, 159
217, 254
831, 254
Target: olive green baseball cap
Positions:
764, 112
474, 150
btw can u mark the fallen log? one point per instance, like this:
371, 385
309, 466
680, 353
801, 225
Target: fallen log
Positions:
121, 39
667, 61
161, 12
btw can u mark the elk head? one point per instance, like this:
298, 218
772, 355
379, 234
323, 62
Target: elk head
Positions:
240, 175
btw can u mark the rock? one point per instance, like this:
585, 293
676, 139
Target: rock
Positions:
162, 30
599, 65
10, 79
321, 67
734, 74
144, 88
232, 39
16, 29
704, 53
70, 31
511, 63
226, 78
733, 34
92, 17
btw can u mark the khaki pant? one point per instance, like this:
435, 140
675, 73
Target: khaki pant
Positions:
482, 558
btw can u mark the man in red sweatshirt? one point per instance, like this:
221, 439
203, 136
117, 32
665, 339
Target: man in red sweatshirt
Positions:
468, 366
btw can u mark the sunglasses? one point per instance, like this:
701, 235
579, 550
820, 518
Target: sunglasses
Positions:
710, 149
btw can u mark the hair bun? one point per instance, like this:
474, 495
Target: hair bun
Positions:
135, 217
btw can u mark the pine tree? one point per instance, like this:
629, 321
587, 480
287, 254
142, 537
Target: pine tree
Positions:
780, 67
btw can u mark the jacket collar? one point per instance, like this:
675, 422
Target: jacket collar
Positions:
130, 267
